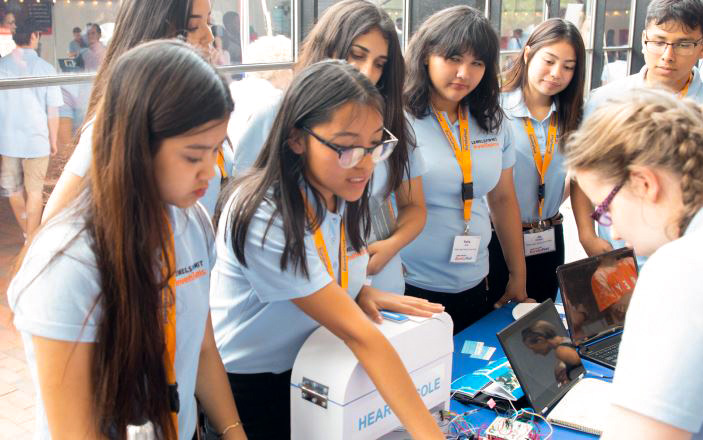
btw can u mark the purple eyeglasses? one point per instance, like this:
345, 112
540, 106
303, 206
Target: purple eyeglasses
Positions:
601, 214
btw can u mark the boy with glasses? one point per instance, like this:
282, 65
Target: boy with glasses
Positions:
672, 45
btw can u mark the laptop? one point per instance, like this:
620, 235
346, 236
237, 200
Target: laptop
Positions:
550, 371
596, 293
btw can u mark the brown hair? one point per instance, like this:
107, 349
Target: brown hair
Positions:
569, 101
127, 226
645, 127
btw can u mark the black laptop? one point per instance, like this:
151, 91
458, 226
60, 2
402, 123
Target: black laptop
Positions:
550, 371
596, 293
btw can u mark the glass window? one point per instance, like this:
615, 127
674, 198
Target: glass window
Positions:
617, 23
580, 13
518, 19
394, 8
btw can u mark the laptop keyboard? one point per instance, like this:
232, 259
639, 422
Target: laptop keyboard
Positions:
607, 354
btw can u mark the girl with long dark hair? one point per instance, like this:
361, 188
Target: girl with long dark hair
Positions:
452, 98
363, 34
111, 297
137, 22
290, 244
542, 99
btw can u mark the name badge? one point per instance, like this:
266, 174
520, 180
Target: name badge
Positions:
539, 242
465, 249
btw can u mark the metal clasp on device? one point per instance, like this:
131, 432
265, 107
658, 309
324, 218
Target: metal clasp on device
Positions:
314, 392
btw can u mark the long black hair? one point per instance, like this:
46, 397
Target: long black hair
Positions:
311, 99
333, 36
453, 32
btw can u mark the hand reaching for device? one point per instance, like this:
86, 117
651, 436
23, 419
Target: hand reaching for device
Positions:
372, 301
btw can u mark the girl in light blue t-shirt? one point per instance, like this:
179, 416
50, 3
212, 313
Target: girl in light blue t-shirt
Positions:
451, 97
291, 252
112, 295
542, 100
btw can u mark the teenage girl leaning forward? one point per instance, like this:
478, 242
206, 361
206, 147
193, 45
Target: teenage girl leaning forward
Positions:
139, 21
452, 103
363, 34
290, 244
542, 100
653, 199
111, 297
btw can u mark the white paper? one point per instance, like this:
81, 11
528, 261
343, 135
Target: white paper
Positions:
465, 249
539, 242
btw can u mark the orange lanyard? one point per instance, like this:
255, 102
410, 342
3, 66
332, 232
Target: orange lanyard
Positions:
322, 249
542, 164
462, 152
684, 91
169, 298
221, 162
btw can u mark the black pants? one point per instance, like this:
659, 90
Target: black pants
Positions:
465, 307
263, 403
542, 280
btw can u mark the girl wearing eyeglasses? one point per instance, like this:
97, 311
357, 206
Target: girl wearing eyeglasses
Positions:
290, 243
363, 34
452, 101
653, 199
542, 100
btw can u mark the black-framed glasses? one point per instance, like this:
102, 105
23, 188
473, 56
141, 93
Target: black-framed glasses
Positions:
601, 214
352, 155
684, 48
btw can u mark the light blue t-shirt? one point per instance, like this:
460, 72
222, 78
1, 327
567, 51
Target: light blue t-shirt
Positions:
252, 138
525, 173
427, 257
53, 298
209, 200
600, 97
390, 278
660, 358
258, 328
24, 129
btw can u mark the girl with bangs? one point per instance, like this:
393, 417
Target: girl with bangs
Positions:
452, 98
542, 100
111, 297
363, 34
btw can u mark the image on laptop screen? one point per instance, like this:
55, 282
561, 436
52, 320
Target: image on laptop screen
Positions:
597, 291
545, 360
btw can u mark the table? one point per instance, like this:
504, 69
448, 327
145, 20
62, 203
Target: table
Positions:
485, 330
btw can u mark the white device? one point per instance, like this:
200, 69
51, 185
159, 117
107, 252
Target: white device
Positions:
332, 397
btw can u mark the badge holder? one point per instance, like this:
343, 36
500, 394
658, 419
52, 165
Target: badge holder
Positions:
465, 247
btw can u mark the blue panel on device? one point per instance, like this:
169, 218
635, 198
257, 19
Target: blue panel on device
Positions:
392, 316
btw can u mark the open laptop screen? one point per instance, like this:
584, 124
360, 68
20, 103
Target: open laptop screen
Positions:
545, 361
596, 292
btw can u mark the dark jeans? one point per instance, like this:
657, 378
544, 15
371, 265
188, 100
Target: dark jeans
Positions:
465, 307
263, 403
542, 280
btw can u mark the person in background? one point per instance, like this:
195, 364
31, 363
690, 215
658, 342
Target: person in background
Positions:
672, 44
137, 21
290, 252
220, 57
363, 34
75, 46
94, 53
543, 100
639, 158
515, 42
232, 40
258, 89
28, 133
452, 103
9, 22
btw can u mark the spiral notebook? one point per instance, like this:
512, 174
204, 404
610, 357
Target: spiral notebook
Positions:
549, 369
